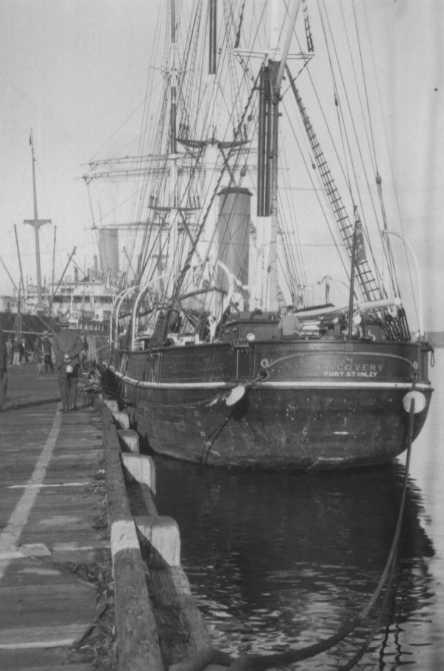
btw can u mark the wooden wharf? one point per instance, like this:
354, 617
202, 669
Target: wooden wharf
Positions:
77, 502
49, 505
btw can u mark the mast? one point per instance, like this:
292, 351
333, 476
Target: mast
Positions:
357, 257
6, 269
173, 76
36, 223
18, 321
19, 257
270, 95
51, 299
63, 273
174, 186
212, 42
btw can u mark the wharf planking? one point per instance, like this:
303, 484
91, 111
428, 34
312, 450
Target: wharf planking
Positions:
26, 386
49, 507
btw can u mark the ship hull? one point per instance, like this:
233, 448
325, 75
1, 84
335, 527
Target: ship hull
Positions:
299, 405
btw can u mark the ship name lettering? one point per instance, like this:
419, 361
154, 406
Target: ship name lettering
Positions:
354, 369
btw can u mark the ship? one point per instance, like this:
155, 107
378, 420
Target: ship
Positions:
79, 300
82, 296
226, 349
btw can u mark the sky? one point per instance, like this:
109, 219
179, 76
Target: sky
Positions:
75, 72
415, 90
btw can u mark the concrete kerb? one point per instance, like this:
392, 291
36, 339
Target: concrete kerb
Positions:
137, 636
167, 583
112, 406
162, 533
122, 419
141, 467
130, 439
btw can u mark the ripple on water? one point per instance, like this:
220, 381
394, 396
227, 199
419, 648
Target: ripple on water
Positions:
281, 560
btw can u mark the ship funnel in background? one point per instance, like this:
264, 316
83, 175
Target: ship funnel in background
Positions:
109, 251
233, 234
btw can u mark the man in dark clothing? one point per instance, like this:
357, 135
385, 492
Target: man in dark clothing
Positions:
84, 352
47, 355
67, 348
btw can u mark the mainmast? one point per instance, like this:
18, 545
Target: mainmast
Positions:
269, 97
173, 79
212, 42
36, 223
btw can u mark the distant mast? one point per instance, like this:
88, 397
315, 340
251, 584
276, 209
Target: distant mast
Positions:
36, 223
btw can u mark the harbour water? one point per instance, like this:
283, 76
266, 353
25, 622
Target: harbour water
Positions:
280, 560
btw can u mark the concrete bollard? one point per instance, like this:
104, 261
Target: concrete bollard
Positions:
122, 419
113, 406
163, 534
131, 440
142, 468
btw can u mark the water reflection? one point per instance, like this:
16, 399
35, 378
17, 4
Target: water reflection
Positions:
280, 559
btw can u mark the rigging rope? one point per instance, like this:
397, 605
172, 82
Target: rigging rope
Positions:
317, 194
359, 151
387, 246
364, 79
186, 267
239, 27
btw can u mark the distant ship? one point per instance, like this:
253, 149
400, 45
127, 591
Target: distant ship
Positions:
79, 298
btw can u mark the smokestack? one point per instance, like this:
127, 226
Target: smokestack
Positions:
76, 275
109, 251
96, 265
233, 234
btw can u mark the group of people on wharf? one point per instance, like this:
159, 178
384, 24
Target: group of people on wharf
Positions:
61, 352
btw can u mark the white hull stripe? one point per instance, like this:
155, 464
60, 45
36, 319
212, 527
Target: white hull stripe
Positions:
291, 384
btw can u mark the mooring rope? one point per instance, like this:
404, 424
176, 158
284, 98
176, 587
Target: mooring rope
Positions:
395, 544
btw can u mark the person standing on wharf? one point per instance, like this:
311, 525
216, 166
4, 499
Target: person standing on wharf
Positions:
67, 347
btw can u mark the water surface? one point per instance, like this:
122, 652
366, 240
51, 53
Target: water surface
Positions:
279, 560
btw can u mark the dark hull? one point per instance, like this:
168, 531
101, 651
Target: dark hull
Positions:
306, 405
